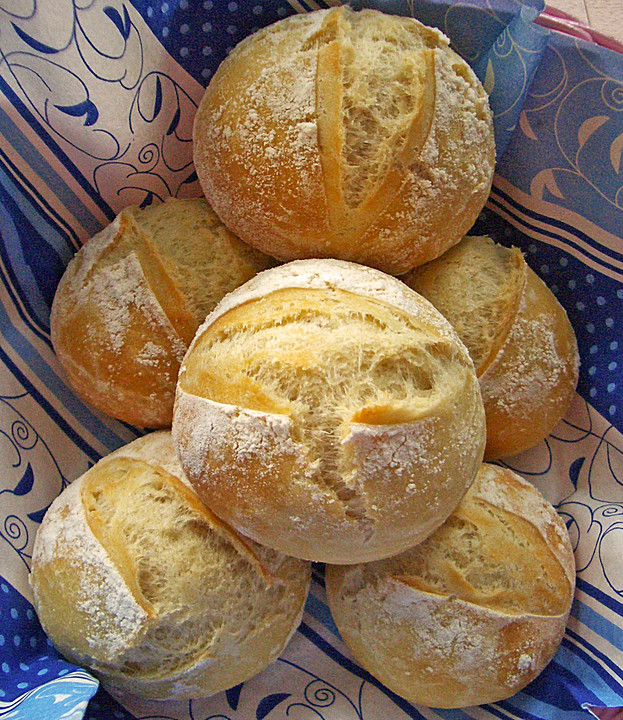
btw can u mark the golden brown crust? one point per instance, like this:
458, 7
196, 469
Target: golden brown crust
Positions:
354, 135
517, 333
131, 299
134, 578
477, 285
530, 384
472, 614
116, 343
327, 411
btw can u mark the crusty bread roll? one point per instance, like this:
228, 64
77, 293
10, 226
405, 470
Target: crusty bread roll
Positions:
131, 299
355, 135
326, 410
517, 333
472, 614
136, 579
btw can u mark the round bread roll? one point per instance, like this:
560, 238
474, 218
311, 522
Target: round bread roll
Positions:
472, 614
518, 335
134, 578
132, 298
354, 135
326, 410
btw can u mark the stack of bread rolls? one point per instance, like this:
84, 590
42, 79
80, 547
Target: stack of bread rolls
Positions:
335, 360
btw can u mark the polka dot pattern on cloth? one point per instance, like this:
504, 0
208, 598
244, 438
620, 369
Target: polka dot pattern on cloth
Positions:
27, 658
199, 44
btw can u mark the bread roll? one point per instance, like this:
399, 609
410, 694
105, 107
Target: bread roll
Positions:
517, 333
472, 614
355, 135
131, 299
134, 578
326, 410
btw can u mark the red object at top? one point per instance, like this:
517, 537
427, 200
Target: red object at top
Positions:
563, 22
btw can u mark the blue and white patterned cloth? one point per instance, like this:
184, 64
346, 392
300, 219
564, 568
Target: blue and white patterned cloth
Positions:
97, 99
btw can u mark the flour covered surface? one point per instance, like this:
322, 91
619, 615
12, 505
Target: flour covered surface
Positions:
355, 135
472, 614
167, 602
131, 299
517, 332
328, 411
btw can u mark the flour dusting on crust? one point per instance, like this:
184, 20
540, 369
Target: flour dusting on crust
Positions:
103, 594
